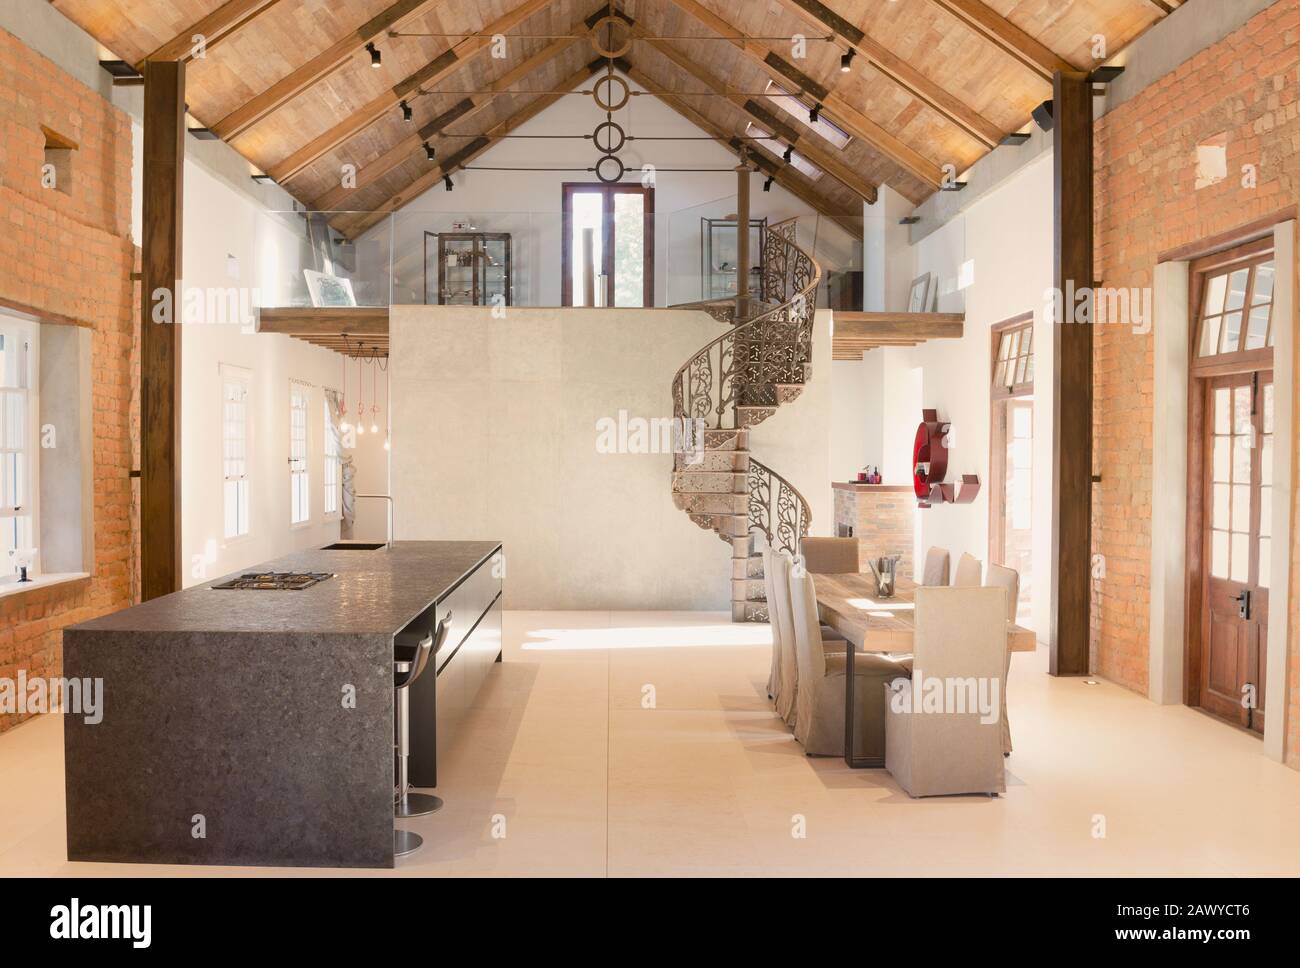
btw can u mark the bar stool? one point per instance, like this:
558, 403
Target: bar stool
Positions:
411, 652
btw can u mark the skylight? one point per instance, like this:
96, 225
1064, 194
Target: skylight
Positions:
800, 111
777, 150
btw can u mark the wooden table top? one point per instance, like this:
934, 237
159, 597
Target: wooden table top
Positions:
849, 604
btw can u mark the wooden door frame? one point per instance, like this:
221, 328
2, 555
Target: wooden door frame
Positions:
607, 190
1198, 380
997, 398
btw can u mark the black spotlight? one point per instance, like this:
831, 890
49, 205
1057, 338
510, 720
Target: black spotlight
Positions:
448, 182
1043, 116
428, 151
815, 113
846, 60
375, 57
406, 111
789, 154
767, 185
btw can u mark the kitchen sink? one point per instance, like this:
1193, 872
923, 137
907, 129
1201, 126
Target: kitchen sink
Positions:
354, 546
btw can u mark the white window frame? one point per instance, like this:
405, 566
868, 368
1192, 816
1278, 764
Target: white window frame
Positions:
11, 389
763, 138
332, 471
235, 376
299, 456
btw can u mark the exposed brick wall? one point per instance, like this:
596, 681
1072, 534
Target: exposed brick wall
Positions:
1247, 86
69, 256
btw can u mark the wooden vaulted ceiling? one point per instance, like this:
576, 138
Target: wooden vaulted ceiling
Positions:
288, 83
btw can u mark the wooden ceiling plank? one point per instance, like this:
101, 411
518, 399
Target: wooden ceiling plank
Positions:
1009, 38
851, 222
822, 159
213, 28
846, 115
437, 70
356, 227
390, 159
321, 66
905, 75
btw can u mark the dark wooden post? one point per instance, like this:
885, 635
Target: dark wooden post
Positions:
1072, 387
160, 335
742, 238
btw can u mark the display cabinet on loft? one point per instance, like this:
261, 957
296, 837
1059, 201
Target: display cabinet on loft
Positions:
469, 269
718, 248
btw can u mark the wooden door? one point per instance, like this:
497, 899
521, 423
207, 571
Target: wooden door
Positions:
623, 216
1236, 544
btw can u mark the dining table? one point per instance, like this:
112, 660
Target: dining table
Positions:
852, 605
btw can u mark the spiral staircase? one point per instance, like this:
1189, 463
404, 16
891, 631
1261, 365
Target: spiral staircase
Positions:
731, 386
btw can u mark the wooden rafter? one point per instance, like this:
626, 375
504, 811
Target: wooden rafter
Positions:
905, 75
821, 158
442, 66
786, 177
847, 116
356, 227
1009, 38
213, 28
319, 67
466, 108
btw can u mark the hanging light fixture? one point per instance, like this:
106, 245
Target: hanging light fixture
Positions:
344, 426
374, 398
846, 60
386, 443
375, 57
361, 407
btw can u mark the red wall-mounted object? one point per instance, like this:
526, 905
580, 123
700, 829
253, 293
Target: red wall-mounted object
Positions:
930, 466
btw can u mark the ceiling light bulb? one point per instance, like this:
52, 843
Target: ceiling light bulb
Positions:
406, 111
374, 428
376, 58
360, 429
429, 153
386, 445
846, 60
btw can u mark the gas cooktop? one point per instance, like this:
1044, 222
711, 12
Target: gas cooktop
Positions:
275, 580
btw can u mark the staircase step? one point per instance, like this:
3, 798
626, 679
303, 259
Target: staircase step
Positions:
788, 392
732, 528
748, 590
713, 482
714, 461
748, 417
749, 612
726, 440
727, 503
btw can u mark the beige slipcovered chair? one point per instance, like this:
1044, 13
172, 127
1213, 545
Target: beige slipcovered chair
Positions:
961, 645
785, 682
769, 588
1008, 578
830, 556
968, 572
819, 719
936, 567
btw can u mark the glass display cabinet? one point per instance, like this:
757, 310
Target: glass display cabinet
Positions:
718, 266
469, 269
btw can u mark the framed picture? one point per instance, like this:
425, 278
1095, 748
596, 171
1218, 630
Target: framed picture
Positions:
328, 290
918, 301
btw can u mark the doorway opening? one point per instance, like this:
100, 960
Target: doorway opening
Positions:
1011, 457
607, 256
1230, 475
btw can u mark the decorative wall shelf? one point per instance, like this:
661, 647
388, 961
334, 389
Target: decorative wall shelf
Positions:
930, 466
855, 333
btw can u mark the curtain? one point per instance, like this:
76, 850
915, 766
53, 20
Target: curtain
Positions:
347, 470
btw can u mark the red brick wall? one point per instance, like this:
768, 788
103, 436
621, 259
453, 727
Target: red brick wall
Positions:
1247, 87
69, 257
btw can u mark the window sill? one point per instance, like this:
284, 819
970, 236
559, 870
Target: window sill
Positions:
40, 581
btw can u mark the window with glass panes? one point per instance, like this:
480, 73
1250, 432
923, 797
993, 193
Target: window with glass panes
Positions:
1236, 307
331, 471
1013, 359
16, 455
299, 482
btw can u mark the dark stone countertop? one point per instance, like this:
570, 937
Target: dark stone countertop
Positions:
372, 592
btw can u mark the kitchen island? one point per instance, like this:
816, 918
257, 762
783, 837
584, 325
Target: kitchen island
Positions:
255, 726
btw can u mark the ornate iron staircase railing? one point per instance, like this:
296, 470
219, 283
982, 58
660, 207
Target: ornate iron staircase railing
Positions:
733, 384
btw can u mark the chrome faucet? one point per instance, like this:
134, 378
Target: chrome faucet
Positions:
392, 513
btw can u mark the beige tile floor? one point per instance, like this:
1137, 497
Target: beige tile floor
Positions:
586, 781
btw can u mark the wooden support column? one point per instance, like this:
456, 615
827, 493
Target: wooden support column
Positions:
742, 237
1072, 386
160, 335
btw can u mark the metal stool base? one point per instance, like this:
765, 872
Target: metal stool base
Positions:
406, 842
417, 805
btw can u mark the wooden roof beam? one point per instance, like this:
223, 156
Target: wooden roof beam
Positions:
1007, 37
213, 28
898, 70
446, 63
847, 116
878, 327
319, 67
